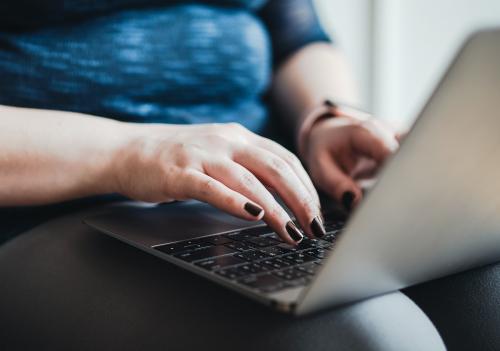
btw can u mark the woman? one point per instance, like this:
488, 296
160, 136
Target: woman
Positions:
172, 66
180, 90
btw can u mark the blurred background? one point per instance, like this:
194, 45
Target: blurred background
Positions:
400, 49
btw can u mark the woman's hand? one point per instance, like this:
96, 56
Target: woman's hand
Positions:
342, 151
224, 165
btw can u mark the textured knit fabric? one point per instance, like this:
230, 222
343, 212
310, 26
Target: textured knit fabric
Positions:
29, 14
292, 24
182, 64
173, 64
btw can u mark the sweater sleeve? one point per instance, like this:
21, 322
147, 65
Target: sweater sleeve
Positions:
292, 24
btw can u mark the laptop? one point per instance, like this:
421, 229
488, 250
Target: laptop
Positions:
434, 211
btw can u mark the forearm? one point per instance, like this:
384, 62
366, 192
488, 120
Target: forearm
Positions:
316, 72
50, 156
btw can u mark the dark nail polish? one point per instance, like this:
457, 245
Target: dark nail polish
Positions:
329, 103
317, 227
321, 218
253, 209
347, 200
294, 232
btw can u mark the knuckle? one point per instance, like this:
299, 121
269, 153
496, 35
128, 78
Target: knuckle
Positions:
248, 180
275, 212
175, 184
292, 159
308, 203
236, 126
277, 166
217, 139
207, 187
198, 188
231, 201
183, 153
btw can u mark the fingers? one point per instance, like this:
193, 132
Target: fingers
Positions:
241, 180
401, 136
292, 161
272, 170
334, 181
368, 144
201, 187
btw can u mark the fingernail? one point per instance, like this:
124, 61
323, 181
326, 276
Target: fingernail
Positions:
294, 232
322, 219
317, 227
347, 200
253, 209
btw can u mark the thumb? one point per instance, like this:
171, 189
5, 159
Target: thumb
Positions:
370, 145
334, 181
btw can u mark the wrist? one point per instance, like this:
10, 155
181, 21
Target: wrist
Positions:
326, 110
109, 147
135, 144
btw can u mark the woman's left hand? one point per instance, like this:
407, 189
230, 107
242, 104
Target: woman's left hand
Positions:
342, 151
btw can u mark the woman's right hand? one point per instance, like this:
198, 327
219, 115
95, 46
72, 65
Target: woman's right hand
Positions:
224, 165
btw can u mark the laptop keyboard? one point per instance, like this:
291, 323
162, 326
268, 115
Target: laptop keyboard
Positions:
256, 257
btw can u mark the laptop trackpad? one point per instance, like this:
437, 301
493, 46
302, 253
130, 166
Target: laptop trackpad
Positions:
153, 225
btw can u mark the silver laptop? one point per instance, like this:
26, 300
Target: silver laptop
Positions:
435, 210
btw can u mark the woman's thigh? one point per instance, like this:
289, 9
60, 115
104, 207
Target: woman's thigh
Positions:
180, 64
464, 307
65, 286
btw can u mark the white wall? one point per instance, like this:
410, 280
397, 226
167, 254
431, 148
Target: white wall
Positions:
350, 24
400, 48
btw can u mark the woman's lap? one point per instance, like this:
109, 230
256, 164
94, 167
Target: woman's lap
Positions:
68, 277
465, 307
175, 64
66, 286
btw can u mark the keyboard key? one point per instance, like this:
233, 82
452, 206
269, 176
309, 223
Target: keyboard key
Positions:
261, 242
334, 223
329, 237
240, 246
289, 247
219, 262
290, 274
274, 251
318, 253
242, 270
311, 243
334, 227
276, 263
273, 236
264, 282
187, 245
298, 258
249, 233
309, 268
328, 246
218, 240
253, 255
257, 231
252, 268
205, 253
